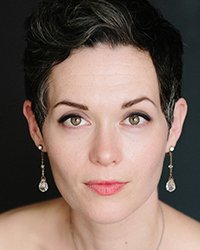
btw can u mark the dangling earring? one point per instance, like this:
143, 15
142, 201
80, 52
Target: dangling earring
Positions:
43, 186
170, 185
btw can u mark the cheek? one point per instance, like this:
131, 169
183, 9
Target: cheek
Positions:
64, 166
63, 161
146, 154
68, 160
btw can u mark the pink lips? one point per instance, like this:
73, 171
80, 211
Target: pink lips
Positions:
105, 188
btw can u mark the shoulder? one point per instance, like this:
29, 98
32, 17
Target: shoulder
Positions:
182, 232
29, 226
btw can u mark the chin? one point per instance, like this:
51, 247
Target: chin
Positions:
108, 212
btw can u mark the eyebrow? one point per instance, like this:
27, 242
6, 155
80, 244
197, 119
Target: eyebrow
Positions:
84, 107
135, 101
71, 104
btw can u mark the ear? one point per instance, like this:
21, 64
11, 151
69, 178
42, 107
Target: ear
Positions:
180, 111
32, 124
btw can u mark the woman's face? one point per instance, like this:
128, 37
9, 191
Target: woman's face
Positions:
105, 133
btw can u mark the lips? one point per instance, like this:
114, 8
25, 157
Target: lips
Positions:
105, 188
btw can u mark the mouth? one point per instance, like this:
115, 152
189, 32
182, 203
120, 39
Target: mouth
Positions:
105, 188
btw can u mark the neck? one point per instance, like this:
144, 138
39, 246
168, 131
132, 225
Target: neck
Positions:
142, 229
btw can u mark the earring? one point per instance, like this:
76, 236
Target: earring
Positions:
170, 185
43, 186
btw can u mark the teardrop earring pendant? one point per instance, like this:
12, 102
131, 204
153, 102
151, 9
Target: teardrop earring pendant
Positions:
43, 186
171, 185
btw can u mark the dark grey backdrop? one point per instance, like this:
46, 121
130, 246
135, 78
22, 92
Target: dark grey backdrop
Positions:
20, 161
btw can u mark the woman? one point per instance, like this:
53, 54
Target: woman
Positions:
103, 82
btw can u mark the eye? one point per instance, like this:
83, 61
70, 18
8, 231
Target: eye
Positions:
73, 120
136, 119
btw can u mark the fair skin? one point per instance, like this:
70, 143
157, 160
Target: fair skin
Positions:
105, 123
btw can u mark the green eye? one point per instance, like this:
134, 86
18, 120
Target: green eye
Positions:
134, 119
75, 121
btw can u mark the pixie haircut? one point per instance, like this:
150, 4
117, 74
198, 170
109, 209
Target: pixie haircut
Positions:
57, 27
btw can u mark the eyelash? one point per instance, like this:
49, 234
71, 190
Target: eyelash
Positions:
64, 118
143, 115
137, 115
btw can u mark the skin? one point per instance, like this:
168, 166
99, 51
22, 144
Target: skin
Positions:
106, 88
107, 145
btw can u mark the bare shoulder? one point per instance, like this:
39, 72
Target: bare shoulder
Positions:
23, 227
182, 231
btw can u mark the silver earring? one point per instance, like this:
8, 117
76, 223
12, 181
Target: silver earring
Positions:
170, 185
43, 186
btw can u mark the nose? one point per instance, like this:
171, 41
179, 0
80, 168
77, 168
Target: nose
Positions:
106, 149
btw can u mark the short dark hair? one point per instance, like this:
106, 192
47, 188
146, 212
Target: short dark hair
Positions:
57, 27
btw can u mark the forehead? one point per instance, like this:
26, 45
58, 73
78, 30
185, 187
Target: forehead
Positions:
100, 71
